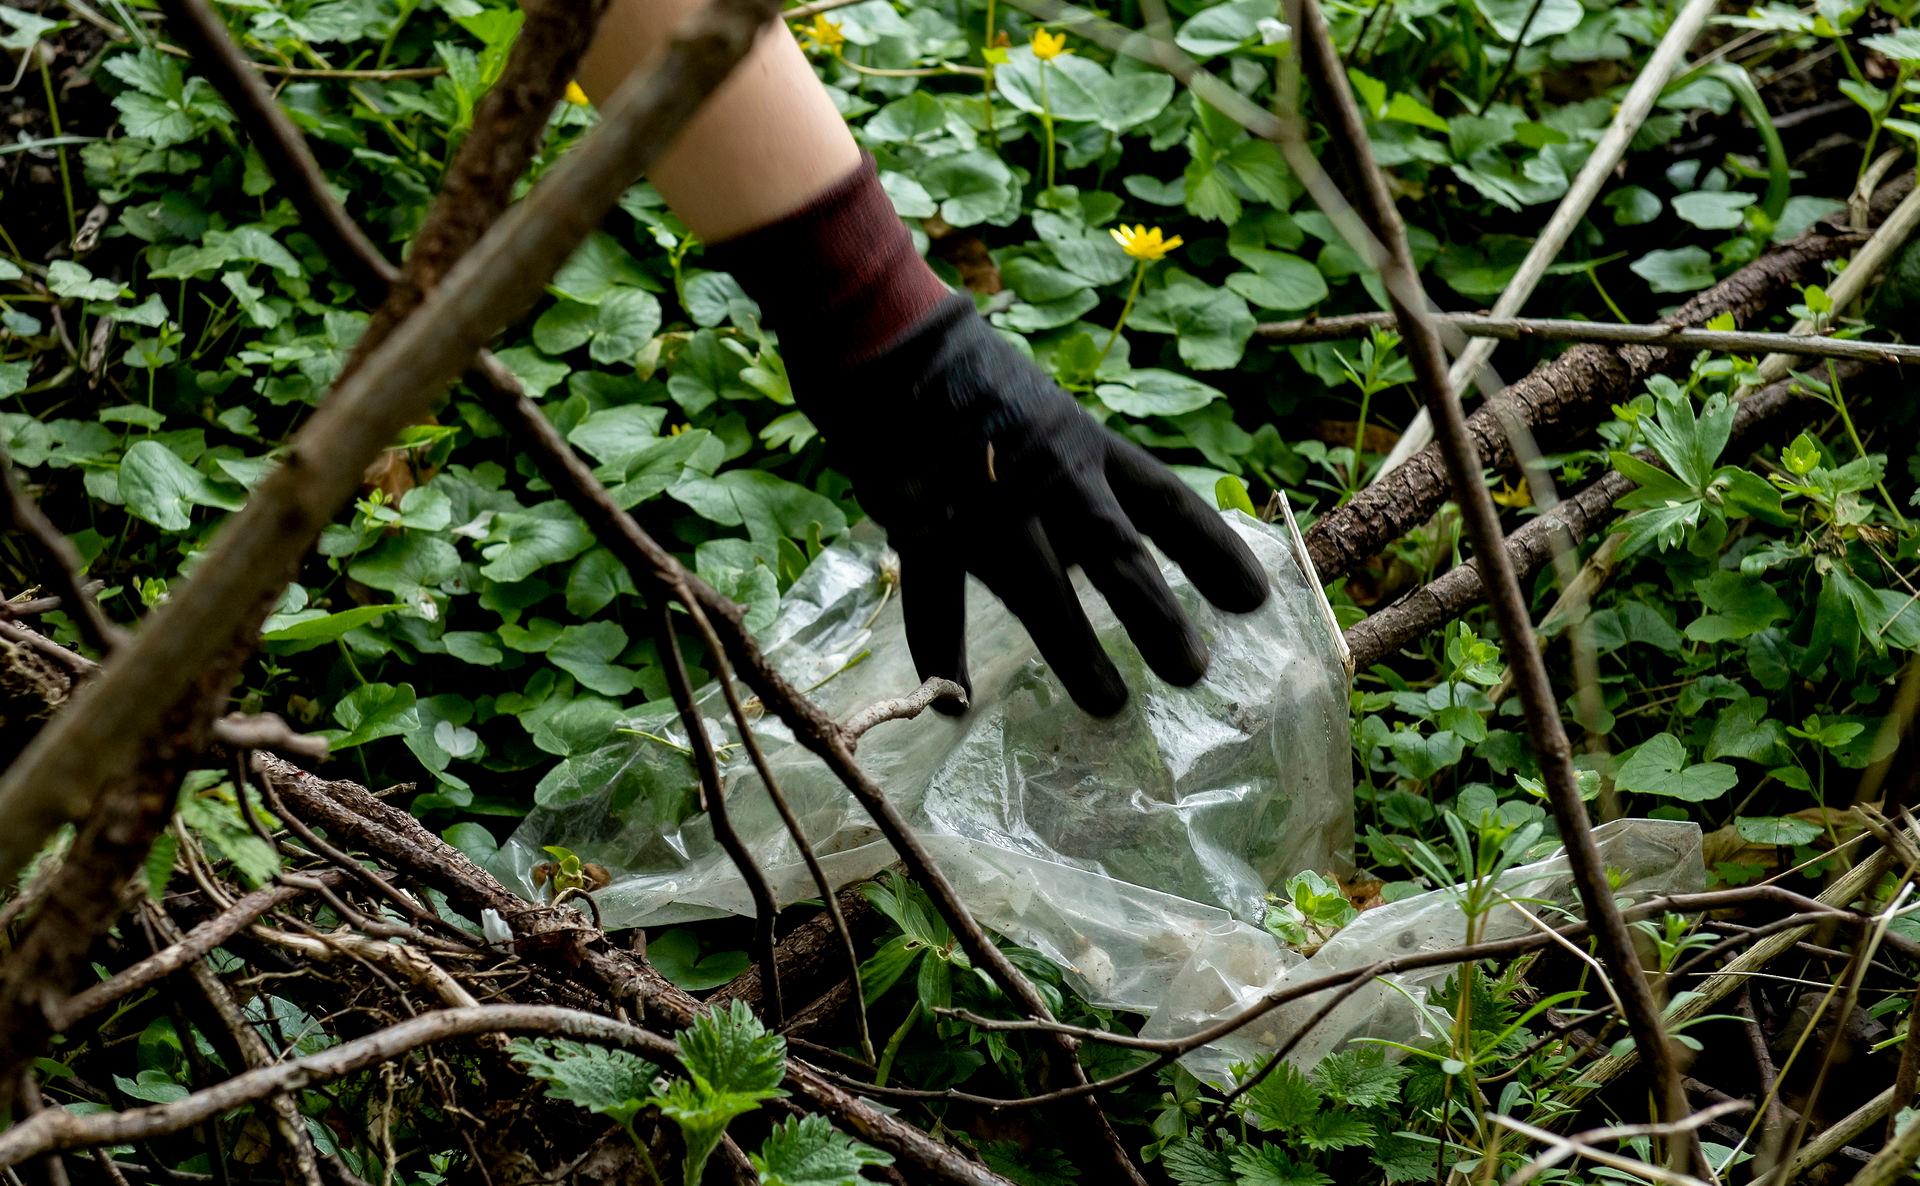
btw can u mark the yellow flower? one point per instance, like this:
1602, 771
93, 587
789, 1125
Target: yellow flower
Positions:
1510, 495
823, 34
577, 96
674, 430
1048, 46
1143, 243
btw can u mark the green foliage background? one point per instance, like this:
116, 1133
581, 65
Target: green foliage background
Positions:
460, 629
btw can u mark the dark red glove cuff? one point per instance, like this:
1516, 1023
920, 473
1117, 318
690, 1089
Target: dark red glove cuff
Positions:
838, 279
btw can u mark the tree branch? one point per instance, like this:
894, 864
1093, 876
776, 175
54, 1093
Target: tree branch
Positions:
1321, 65
1553, 329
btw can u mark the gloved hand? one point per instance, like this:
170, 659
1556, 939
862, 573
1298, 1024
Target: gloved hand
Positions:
974, 460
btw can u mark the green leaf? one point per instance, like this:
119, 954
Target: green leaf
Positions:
1633, 205
676, 955
1284, 1101
521, 543
1713, 211
1679, 269
616, 436
598, 268
971, 187
537, 373
1269, 1165
1279, 280
919, 116
809, 1151
1659, 766
1211, 325
588, 652
1190, 1163
1360, 1077
1737, 607
213, 813
1073, 87
767, 505
1231, 495
1125, 101
1902, 45
162, 489
68, 279
1221, 28
320, 626
1153, 392
728, 1050
1784, 831
1336, 1130
1509, 17
370, 712
627, 319
613, 1083
411, 566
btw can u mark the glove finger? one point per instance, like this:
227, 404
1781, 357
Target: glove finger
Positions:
933, 605
1193, 534
1022, 569
1116, 561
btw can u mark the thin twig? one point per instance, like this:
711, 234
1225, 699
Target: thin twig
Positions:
265, 730
58, 1129
60, 561
1321, 65
1594, 174
1556, 329
1582, 1145
901, 708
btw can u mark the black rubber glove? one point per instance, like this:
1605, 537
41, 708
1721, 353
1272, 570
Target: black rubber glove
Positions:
976, 462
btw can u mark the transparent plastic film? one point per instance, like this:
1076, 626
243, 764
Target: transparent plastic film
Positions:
1118, 847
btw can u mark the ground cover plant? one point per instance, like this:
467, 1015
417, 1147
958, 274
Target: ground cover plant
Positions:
222, 965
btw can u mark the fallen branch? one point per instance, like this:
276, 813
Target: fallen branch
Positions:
1555, 402
1554, 329
195, 945
58, 1129
1530, 549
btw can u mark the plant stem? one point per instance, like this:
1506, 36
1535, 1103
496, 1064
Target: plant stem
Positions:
881, 1071
53, 117
1047, 125
1846, 421
1133, 294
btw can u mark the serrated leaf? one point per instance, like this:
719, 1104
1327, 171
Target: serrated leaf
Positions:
1189, 1162
809, 1151
728, 1050
1284, 1101
1269, 1165
614, 1083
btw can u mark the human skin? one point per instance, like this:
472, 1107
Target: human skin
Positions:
767, 141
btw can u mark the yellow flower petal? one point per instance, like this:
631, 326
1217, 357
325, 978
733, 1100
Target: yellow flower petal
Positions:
1143, 243
823, 34
1048, 46
577, 96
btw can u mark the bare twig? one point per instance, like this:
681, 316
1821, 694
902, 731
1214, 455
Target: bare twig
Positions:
60, 562
713, 800
60, 1130
1895, 1160
1554, 329
900, 708
1321, 65
265, 730
1582, 1145
1835, 1137
191, 947
1865, 266
1586, 185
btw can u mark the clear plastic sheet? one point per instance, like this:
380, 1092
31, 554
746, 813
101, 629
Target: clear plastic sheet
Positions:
1135, 852
1117, 847
1654, 857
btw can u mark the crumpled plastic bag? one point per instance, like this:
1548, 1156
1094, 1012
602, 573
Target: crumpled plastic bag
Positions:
1136, 852
1112, 846
1653, 857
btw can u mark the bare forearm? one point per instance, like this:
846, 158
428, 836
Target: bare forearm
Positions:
764, 144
